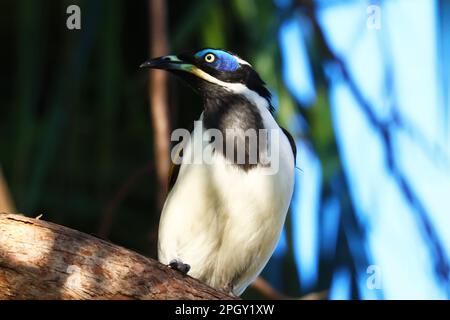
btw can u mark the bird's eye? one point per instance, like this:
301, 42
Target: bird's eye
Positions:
210, 58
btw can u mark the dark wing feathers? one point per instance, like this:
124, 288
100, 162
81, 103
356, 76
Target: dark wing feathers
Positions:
174, 169
173, 174
291, 142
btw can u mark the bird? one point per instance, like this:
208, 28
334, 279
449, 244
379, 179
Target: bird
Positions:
223, 218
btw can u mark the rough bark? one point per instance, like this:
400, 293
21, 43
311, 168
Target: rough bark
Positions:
43, 260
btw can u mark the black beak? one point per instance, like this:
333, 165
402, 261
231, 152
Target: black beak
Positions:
171, 62
185, 70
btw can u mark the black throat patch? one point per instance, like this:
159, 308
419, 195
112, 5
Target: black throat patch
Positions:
239, 122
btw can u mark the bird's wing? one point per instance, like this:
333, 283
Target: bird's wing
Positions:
291, 142
174, 168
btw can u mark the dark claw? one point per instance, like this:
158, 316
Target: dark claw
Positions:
180, 266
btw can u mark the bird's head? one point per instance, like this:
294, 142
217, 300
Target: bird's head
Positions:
213, 73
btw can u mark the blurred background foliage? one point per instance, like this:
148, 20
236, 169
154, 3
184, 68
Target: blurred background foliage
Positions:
76, 140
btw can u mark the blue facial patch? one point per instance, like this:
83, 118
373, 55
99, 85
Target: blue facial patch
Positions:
223, 61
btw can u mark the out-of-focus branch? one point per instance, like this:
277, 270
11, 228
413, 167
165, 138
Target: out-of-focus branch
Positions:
157, 91
269, 292
6, 203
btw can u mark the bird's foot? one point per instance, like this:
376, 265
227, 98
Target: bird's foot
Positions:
180, 266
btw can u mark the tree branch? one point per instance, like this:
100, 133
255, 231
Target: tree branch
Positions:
43, 260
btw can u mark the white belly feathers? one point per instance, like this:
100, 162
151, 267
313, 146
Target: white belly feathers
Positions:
223, 221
